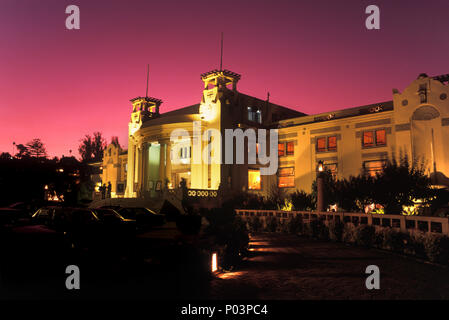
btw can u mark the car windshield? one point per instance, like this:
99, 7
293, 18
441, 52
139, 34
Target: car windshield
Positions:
132, 213
108, 214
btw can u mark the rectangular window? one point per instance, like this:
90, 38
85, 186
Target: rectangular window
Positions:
368, 139
254, 114
381, 137
253, 179
281, 149
324, 144
375, 138
321, 144
290, 148
332, 143
373, 167
286, 177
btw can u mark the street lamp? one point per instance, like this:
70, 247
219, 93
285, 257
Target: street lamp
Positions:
320, 187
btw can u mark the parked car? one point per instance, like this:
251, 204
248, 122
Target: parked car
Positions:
145, 218
86, 227
15, 214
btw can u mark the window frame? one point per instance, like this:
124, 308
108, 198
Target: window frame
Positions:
374, 137
384, 161
280, 175
285, 145
334, 149
326, 143
316, 144
260, 182
286, 148
283, 149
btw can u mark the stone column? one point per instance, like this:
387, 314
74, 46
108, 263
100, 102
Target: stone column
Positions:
162, 163
168, 164
320, 193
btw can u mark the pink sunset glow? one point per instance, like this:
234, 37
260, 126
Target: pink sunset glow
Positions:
313, 56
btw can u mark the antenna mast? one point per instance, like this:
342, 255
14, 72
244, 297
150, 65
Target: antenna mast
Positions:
148, 75
221, 53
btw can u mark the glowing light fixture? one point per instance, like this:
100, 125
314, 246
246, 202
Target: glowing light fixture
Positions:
320, 166
214, 262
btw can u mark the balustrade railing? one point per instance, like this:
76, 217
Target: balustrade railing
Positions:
400, 222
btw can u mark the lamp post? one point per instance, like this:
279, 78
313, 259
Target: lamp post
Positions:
320, 187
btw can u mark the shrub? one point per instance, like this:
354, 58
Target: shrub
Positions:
364, 235
437, 248
255, 224
283, 226
393, 240
335, 230
295, 224
323, 232
315, 229
415, 245
302, 201
378, 238
271, 224
348, 235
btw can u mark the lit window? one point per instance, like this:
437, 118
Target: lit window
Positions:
332, 143
286, 177
373, 167
290, 148
374, 138
368, 139
321, 144
381, 137
253, 179
281, 149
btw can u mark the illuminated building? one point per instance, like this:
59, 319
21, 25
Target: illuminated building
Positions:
347, 141
151, 154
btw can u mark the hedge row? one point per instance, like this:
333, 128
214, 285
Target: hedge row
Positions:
431, 246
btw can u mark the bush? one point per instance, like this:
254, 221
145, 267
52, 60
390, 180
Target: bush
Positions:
255, 224
437, 248
295, 224
315, 229
323, 232
348, 235
393, 240
415, 245
378, 239
302, 201
364, 235
335, 230
283, 226
271, 224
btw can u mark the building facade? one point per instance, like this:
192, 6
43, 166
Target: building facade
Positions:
415, 122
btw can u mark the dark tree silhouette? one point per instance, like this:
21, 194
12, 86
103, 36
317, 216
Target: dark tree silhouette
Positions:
91, 148
400, 182
85, 148
22, 151
36, 149
5, 156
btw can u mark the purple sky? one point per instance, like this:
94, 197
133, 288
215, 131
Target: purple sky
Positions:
314, 56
